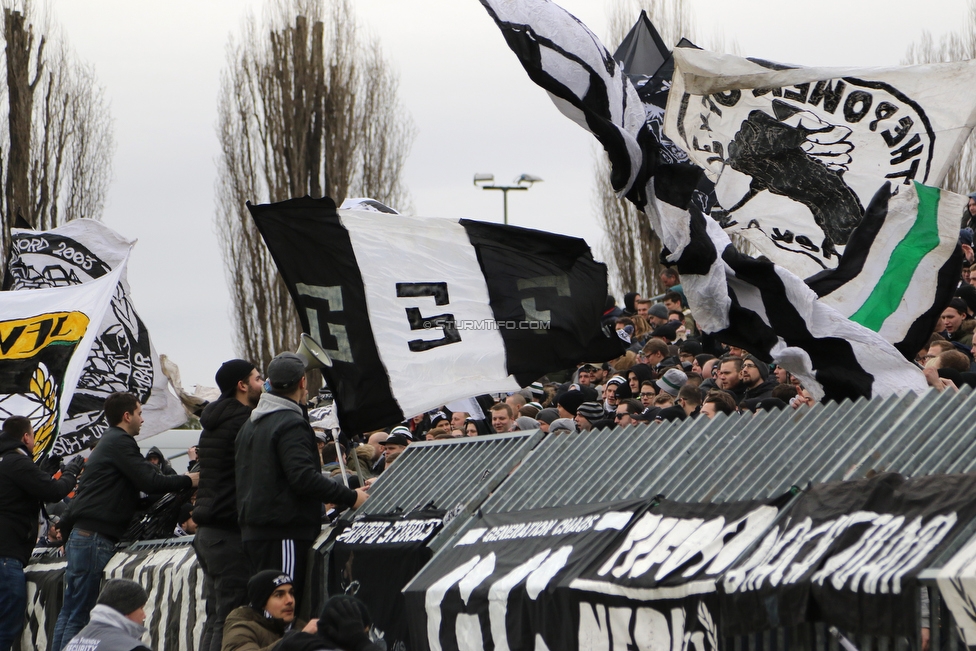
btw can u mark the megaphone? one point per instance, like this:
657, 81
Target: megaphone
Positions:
315, 356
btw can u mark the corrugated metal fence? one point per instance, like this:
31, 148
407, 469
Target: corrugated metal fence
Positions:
724, 459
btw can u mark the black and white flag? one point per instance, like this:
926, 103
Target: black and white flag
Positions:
754, 304
497, 587
416, 312
849, 554
122, 357
796, 154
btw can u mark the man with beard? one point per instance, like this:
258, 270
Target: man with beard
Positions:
755, 377
218, 538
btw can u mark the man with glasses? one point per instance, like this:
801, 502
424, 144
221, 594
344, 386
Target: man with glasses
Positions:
755, 377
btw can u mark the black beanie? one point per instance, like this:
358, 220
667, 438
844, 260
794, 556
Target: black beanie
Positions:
570, 401
762, 366
262, 584
123, 595
333, 604
230, 373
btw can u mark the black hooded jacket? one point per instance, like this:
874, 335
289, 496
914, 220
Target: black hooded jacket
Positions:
216, 504
23, 487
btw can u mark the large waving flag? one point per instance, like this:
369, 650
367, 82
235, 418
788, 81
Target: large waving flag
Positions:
756, 304
416, 312
45, 337
122, 357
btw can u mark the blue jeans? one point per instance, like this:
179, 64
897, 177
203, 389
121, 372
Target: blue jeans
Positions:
13, 601
87, 554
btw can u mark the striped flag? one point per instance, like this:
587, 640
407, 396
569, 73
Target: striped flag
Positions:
417, 312
755, 304
906, 245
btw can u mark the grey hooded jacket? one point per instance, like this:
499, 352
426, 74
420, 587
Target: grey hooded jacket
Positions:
280, 487
108, 630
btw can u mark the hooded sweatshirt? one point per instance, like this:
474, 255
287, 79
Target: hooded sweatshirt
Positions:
108, 630
280, 486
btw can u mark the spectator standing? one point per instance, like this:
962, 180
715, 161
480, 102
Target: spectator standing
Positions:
280, 486
23, 489
106, 500
218, 538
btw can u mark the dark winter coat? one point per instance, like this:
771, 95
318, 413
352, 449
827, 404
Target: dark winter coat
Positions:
23, 488
280, 486
216, 504
246, 629
108, 493
762, 390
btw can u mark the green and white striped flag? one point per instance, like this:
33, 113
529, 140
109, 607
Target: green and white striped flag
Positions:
903, 270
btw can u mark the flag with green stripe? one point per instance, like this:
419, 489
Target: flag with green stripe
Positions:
901, 267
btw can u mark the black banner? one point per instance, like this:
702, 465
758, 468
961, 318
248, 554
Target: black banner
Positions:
497, 587
848, 554
373, 559
655, 588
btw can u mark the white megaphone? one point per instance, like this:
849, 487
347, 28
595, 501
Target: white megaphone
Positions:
313, 353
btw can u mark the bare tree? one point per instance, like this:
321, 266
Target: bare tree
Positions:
631, 248
955, 46
307, 106
56, 139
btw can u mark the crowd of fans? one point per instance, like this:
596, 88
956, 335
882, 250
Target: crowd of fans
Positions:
253, 523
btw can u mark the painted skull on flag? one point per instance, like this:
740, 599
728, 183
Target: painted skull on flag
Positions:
122, 357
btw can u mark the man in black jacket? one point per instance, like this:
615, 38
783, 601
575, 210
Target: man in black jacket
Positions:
280, 487
218, 538
23, 489
107, 498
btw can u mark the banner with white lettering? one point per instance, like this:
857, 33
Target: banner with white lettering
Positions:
374, 558
497, 587
848, 554
657, 583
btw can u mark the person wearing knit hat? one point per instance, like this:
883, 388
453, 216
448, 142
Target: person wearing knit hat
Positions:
343, 624
588, 414
562, 425
546, 416
268, 615
672, 381
230, 373
217, 541
117, 621
525, 424
568, 403
667, 331
657, 314
756, 379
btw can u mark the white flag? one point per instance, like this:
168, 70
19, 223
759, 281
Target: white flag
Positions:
45, 338
122, 357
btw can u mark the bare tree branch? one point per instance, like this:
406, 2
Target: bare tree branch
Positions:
307, 106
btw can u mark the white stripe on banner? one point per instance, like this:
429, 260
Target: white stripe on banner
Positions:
434, 252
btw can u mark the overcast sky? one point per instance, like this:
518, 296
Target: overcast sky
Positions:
474, 108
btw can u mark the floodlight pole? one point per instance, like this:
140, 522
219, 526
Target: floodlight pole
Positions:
505, 189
